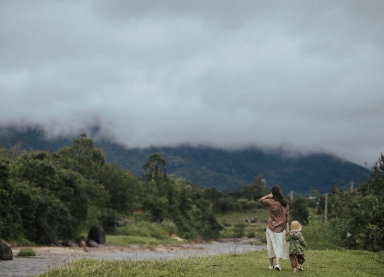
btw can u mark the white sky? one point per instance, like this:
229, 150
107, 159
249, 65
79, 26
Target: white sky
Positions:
301, 75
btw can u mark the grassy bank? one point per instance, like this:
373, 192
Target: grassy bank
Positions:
143, 241
239, 224
319, 263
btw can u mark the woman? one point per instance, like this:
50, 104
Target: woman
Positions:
278, 226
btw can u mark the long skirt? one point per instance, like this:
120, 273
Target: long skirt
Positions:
277, 246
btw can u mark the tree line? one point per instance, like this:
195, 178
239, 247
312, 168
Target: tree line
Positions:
350, 218
45, 197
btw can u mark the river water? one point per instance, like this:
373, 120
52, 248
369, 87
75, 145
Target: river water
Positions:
51, 257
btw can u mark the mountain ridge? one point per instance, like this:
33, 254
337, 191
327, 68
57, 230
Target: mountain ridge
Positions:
227, 170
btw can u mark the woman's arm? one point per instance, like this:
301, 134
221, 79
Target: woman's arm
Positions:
269, 196
287, 222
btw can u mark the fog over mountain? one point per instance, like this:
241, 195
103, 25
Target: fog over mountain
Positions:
299, 76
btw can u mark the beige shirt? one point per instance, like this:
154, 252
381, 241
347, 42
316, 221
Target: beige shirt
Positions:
278, 215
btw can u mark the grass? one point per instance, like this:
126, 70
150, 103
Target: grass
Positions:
27, 252
232, 222
318, 263
144, 241
136, 230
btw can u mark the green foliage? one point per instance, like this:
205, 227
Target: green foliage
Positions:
125, 189
109, 220
10, 220
256, 190
298, 210
138, 227
155, 167
321, 235
44, 217
239, 230
27, 252
243, 219
45, 197
318, 263
171, 199
358, 215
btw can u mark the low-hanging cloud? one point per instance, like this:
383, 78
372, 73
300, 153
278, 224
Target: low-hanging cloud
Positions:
305, 76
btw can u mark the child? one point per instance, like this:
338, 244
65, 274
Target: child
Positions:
296, 246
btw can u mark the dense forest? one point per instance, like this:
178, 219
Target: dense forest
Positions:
47, 196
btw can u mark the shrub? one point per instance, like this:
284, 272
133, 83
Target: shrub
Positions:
27, 252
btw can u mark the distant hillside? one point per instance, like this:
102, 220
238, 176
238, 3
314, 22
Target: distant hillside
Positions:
225, 169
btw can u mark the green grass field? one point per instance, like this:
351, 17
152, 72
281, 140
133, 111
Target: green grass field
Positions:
232, 220
144, 241
323, 262
318, 263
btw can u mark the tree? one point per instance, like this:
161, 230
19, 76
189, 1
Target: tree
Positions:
82, 156
214, 196
256, 190
299, 210
10, 220
155, 167
52, 201
364, 213
88, 161
124, 188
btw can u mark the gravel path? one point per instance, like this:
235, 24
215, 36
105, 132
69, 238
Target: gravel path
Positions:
50, 257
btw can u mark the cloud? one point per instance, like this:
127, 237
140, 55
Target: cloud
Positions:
303, 75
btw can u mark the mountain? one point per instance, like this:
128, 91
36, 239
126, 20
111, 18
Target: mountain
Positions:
227, 170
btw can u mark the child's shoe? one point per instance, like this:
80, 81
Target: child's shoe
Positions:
278, 267
271, 267
300, 267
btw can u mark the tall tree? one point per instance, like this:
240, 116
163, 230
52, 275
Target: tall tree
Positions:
10, 220
155, 167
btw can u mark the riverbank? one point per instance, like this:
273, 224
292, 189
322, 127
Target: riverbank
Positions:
51, 257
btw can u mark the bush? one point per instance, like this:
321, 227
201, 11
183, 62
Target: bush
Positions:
147, 229
28, 252
321, 235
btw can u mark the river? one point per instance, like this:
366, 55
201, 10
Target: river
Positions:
51, 257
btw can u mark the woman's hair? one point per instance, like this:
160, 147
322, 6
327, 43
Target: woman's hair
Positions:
278, 195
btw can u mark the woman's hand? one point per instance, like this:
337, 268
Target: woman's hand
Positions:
267, 196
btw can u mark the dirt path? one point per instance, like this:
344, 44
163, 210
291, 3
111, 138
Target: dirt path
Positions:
50, 257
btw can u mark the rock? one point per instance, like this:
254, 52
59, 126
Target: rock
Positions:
92, 243
176, 237
5, 251
254, 220
69, 243
97, 234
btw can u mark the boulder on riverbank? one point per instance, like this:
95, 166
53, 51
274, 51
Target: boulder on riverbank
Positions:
69, 243
92, 243
5, 251
97, 234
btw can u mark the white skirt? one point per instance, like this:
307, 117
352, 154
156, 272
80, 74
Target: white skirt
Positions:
277, 246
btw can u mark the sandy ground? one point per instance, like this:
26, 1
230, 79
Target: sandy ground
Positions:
50, 257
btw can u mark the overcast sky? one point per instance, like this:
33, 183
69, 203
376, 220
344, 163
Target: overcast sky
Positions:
301, 75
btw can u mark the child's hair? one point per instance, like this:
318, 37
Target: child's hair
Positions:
278, 195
